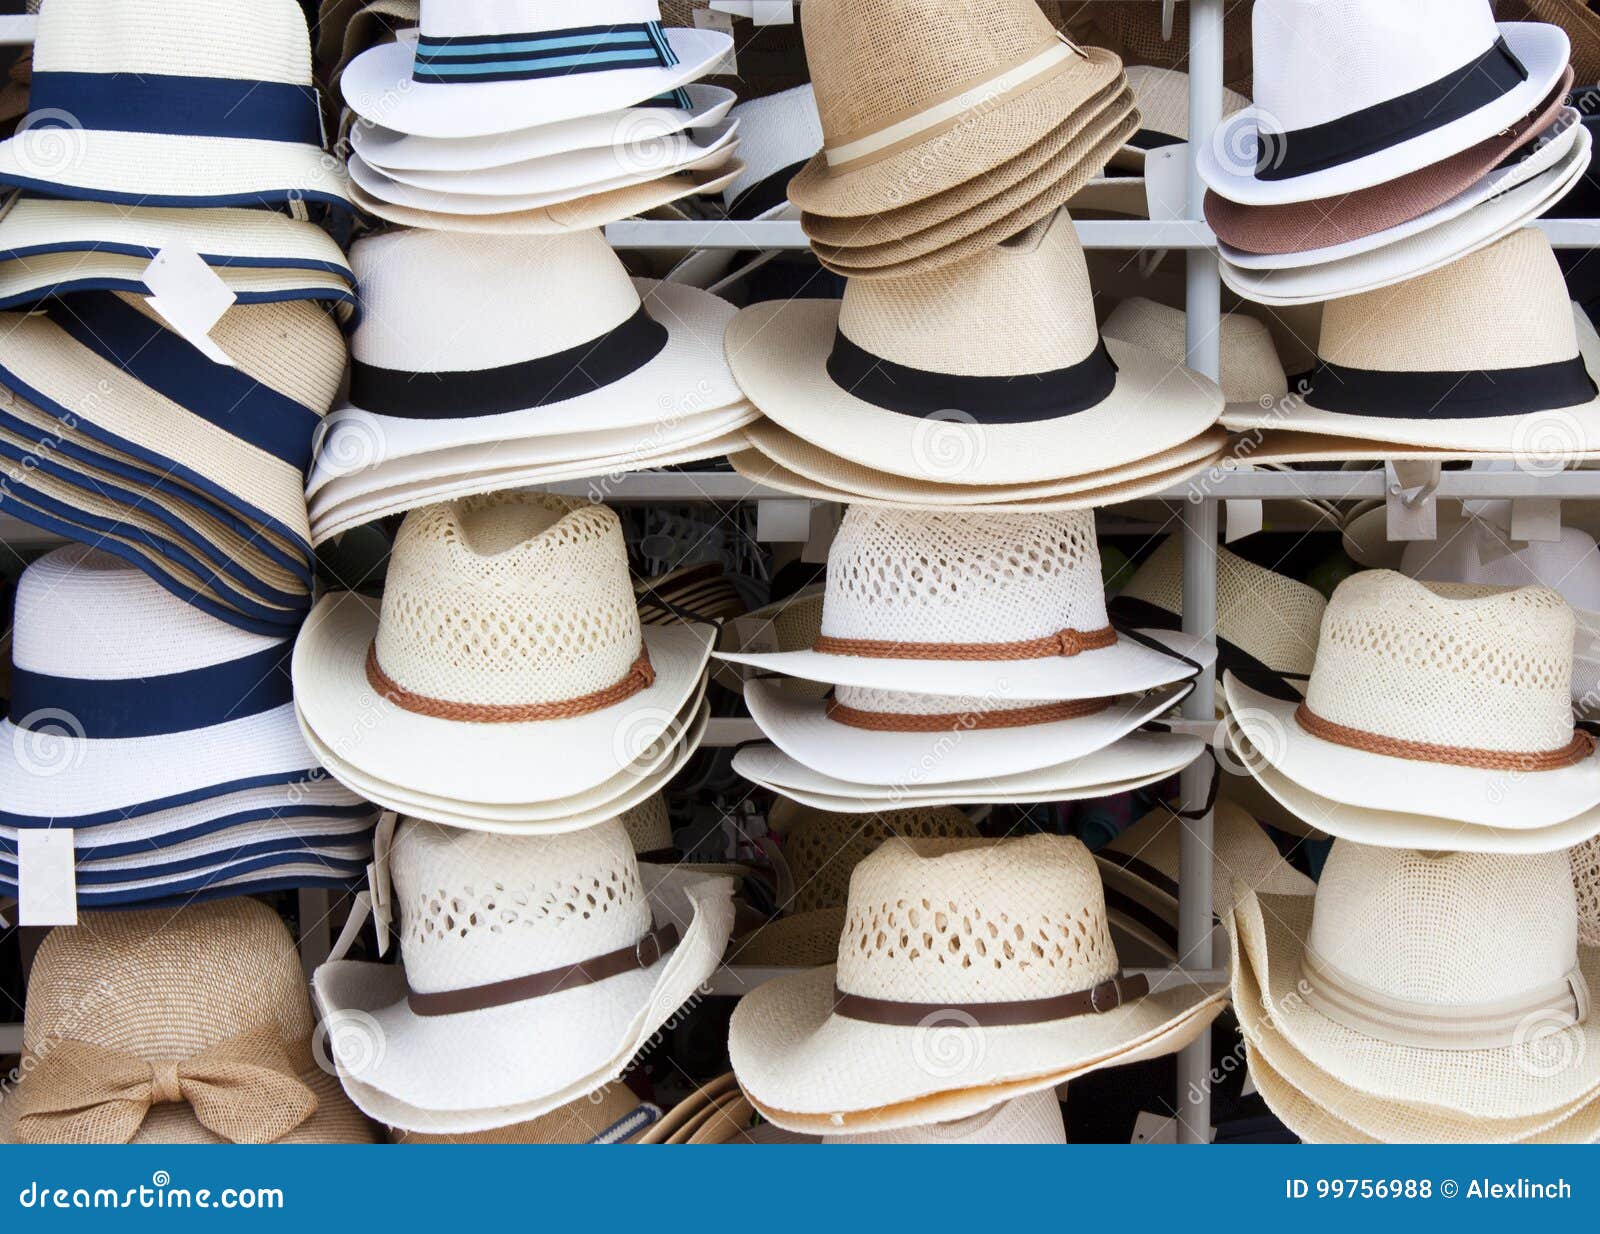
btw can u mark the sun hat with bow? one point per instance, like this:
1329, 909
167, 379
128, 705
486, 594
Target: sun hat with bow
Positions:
561, 940
505, 663
1359, 92
968, 973
174, 1028
173, 103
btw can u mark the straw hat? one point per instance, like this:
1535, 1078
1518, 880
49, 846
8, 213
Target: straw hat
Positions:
790, 624
609, 1115
1033, 1119
1251, 369
1446, 701
173, 103
679, 1123
173, 1028
1339, 91
1586, 879
588, 954
896, 1036
1450, 983
566, 692
778, 134
1162, 95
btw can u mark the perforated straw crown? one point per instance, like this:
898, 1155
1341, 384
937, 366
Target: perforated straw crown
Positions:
822, 848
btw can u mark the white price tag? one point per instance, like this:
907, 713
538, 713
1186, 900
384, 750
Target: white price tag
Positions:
783, 520
190, 297
1166, 182
1241, 518
753, 636
47, 889
710, 19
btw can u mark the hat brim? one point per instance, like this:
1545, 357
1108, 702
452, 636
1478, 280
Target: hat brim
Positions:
779, 351
26, 281
478, 1070
1528, 802
541, 760
390, 151
378, 86
1544, 50
325, 866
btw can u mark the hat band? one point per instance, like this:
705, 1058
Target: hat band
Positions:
1021, 398
1438, 1026
1475, 85
1150, 139
155, 706
640, 955
1575, 751
1143, 916
765, 193
1450, 396
639, 677
464, 59
181, 106
1067, 642
589, 367
913, 128
1107, 996
1231, 658
963, 721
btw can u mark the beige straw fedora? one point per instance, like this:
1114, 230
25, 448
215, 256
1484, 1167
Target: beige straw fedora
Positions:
174, 1027
905, 119
1251, 369
1586, 880
676, 1124
899, 1035
609, 1115
871, 374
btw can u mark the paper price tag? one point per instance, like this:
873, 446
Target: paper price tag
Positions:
190, 297
47, 889
772, 12
1536, 519
1242, 518
753, 636
783, 520
1166, 182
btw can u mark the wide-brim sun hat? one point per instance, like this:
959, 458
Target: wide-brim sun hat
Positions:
1436, 78
27, 281
608, 1115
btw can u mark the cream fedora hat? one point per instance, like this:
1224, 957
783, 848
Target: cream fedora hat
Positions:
1044, 397
173, 103
1354, 94
1443, 700
505, 664
894, 1035
476, 68
1002, 606
564, 941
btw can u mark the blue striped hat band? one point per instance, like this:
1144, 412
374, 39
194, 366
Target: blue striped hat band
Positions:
461, 59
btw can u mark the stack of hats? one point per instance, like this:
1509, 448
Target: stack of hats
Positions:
555, 366
1386, 141
969, 972
1035, 1118
971, 660
536, 117
503, 682
164, 740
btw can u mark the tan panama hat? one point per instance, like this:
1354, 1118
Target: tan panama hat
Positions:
675, 1126
977, 85
174, 1027
609, 1115
1251, 369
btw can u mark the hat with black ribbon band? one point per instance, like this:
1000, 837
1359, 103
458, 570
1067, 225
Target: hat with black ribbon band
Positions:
1130, 611
1473, 395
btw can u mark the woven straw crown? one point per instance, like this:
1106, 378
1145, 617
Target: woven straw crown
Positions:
1458, 664
648, 825
1586, 883
478, 907
961, 921
508, 599
823, 849
962, 577
1251, 368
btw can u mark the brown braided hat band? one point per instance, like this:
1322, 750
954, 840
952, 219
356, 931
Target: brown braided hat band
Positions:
640, 676
1107, 996
952, 721
1068, 642
1575, 751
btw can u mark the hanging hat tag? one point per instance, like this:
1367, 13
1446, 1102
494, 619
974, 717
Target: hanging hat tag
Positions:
190, 297
380, 889
360, 910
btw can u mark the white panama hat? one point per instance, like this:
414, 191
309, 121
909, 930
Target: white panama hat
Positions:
564, 957
1358, 92
506, 663
997, 606
173, 103
482, 67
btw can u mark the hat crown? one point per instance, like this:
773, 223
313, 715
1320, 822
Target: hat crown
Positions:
162, 985
1318, 60
1443, 663
962, 576
1251, 368
1450, 928
775, 131
512, 598
478, 907
822, 849
1484, 552
648, 825
1028, 299
963, 921
446, 18
437, 302
1505, 306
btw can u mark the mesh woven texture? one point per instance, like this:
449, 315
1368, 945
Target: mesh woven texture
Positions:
252, 40
1586, 881
958, 577
1162, 95
963, 921
509, 598
806, 940
822, 848
1274, 618
1446, 663
648, 825
477, 907
1251, 369
1504, 306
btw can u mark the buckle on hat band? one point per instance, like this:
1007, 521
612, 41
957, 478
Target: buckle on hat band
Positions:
963, 721
642, 954
463, 59
641, 675
1107, 996
1067, 642
1575, 751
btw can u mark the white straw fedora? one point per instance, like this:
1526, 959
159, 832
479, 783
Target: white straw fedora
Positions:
1044, 395
1352, 94
173, 103
506, 663
482, 67
1447, 701
900, 1034
560, 940
778, 134
992, 598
